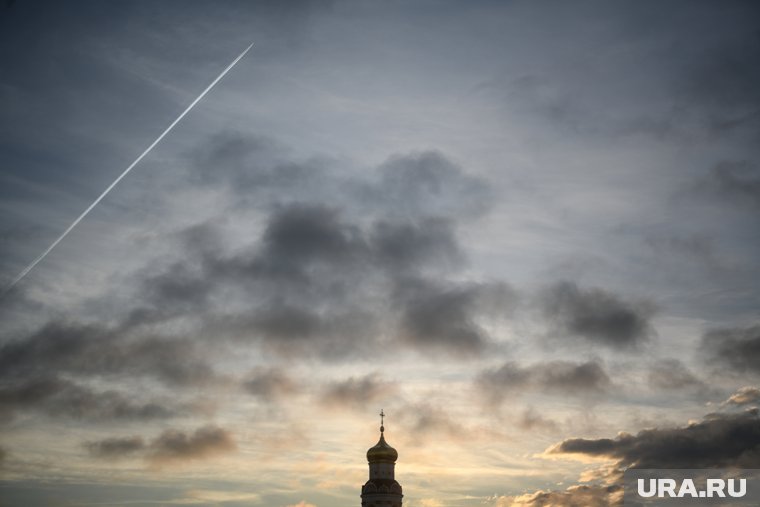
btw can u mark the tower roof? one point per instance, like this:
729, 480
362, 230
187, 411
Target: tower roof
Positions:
382, 452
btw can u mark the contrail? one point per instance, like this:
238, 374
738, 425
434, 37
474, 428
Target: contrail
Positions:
123, 174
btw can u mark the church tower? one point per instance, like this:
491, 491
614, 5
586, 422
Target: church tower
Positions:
381, 490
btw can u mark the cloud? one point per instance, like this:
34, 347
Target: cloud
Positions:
358, 392
672, 374
315, 280
444, 317
89, 349
533, 420
736, 182
220, 496
174, 446
170, 447
744, 396
406, 187
302, 503
427, 184
718, 441
696, 248
401, 246
299, 235
270, 384
738, 348
722, 84
557, 377
574, 496
423, 420
430, 502
115, 447
59, 397
597, 316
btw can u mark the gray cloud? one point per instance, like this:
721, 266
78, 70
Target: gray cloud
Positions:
738, 348
735, 181
575, 496
597, 316
718, 441
745, 396
270, 384
533, 420
297, 236
558, 377
174, 446
423, 421
58, 397
84, 349
406, 187
402, 246
697, 248
313, 283
314, 280
439, 317
672, 374
115, 447
357, 393
427, 184
723, 83
327, 258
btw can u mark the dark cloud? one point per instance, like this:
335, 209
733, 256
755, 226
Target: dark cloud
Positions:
314, 280
722, 82
440, 317
597, 316
406, 187
245, 162
270, 384
423, 421
358, 392
59, 397
745, 396
738, 348
52, 369
736, 182
171, 446
174, 446
281, 321
557, 377
533, 420
115, 447
672, 374
718, 441
301, 235
82, 349
329, 334
427, 184
574, 496
402, 246
709, 92
311, 283
697, 248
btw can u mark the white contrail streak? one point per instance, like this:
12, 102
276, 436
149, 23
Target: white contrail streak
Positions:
123, 174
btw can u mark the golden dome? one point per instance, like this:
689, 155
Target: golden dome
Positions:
382, 452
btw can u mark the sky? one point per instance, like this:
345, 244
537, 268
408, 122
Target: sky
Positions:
525, 230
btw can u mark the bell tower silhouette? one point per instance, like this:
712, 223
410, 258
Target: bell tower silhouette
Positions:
381, 490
